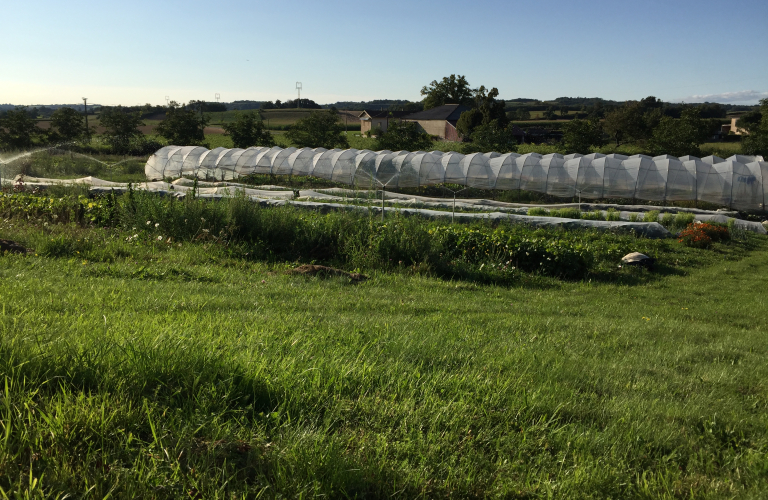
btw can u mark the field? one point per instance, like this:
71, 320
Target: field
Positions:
176, 357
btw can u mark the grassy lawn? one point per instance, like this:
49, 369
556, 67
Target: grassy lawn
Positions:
141, 368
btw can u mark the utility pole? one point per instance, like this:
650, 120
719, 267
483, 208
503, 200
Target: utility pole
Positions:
87, 130
202, 125
217, 97
298, 87
167, 101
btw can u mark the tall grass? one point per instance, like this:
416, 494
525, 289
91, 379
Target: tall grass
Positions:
477, 252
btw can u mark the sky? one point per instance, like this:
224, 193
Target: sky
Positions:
54, 52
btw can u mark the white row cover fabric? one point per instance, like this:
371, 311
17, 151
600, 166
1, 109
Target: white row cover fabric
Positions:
737, 182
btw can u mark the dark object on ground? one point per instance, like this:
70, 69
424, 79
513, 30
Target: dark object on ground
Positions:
324, 271
639, 260
12, 247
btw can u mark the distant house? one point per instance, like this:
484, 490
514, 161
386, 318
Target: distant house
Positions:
440, 121
725, 129
370, 119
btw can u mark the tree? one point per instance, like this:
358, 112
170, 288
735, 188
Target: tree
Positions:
680, 137
182, 126
522, 114
492, 137
549, 114
17, 129
321, 129
635, 121
468, 121
579, 136
450, 90
404, 135
490, 106
122, 127
68, 123
756, 125
487, 109
248, 130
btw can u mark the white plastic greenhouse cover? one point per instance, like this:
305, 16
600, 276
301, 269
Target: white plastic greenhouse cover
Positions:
505, 171
737, 182
477, 171
280, 165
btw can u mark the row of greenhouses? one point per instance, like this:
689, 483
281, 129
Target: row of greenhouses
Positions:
736, 182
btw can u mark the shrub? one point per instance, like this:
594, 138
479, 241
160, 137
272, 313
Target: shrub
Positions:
702, 235
667, 220
652, 216
683, 219
566, 213
593, 215
538, 212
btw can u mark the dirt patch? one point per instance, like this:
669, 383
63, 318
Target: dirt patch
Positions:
13, 247
325, 271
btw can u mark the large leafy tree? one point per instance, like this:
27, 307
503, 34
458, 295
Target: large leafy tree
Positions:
182, 126
635, 121
487, 110
492, 137
450, 90
17, 129
122, 127
321, 129
68, 124
756, 125
581, 135
248, 130
403, 135
680, 137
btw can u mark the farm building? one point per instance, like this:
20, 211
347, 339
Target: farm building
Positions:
440, 121
371, 119
725, 129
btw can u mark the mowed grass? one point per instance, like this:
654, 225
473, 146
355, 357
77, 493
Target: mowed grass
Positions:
188, 373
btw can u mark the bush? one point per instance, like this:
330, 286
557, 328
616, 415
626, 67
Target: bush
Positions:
702, 235
566, 213
593, 215
538, 212
667, 220
652, 216
683, 219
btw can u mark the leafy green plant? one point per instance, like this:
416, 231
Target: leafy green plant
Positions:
667, 220
538, 212
683, 219
593, 215
566, 213
651, 216
612, 214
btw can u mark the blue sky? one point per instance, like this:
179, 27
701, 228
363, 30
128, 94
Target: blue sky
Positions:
141, 51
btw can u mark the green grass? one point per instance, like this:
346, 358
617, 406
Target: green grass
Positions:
721, 149
184, 371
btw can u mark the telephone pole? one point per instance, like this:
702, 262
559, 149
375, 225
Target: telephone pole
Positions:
87, 130
298, 87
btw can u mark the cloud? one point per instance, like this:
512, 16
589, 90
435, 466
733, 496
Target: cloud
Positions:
742, 97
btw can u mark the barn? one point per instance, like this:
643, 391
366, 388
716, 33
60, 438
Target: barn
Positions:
439, 121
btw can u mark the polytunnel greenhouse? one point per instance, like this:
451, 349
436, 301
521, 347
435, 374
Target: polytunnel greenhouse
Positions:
737, 182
